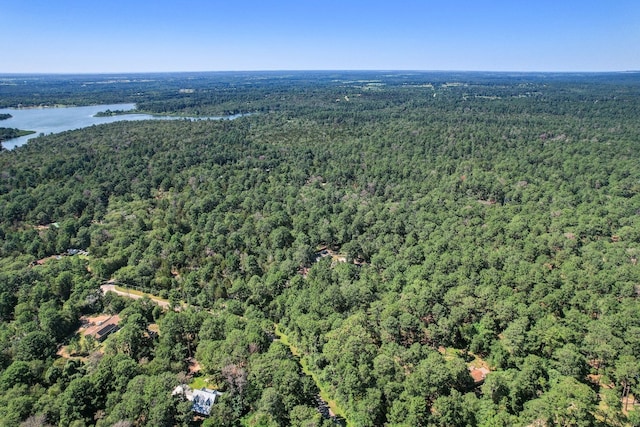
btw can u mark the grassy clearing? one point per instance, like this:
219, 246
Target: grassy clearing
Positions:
198, 383
141, 294
473, 360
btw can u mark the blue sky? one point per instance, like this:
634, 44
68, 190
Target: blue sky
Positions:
61, 36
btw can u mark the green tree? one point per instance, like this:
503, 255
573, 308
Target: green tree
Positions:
455, 410
19, 372
627, 372
76, 402
567, 403
36, 345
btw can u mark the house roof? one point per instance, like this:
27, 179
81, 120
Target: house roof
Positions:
478, 374
101, 326
106, 330
202, 399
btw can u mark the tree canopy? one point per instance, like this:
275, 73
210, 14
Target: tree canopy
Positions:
373, 237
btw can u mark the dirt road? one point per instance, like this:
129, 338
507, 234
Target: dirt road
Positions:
110, 287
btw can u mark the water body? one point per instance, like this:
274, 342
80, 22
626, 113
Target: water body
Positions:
55, 120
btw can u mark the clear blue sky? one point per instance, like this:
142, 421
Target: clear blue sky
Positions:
198, 35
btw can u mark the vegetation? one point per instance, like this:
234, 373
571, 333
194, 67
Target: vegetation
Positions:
479, 217
9, 133
4, 116
110, 113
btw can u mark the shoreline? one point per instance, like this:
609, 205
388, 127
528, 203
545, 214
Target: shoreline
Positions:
7, 134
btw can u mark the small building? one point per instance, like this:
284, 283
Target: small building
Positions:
478, 374
73, 251
202, 399
100, 327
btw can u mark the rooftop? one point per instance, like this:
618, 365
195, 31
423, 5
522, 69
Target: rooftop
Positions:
202, 399
100, 327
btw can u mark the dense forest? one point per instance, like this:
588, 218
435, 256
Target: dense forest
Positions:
418, 249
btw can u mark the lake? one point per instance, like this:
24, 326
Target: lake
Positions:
55, 120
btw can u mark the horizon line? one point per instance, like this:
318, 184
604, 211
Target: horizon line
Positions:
381, 70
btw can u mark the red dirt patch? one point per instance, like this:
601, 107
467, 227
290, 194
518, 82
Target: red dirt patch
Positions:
194, 366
